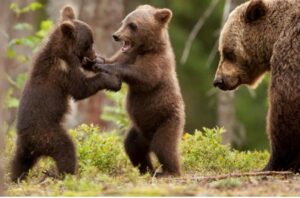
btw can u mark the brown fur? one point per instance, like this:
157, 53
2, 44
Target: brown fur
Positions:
260, 36
56, 77
154, 102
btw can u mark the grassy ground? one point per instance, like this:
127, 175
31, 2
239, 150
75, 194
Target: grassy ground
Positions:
103, 169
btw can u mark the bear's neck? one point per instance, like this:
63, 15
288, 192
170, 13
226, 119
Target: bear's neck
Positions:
278, 18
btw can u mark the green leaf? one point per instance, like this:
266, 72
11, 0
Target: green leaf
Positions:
31, 41
30, 7
10, 101
15, 8
10, 53
23, 26
20, 80
35, 6
45, 27
22, 58
16, 41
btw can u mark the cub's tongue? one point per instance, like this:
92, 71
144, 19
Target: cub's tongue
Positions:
126, 46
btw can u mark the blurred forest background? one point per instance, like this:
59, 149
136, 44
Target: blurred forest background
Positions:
24, 23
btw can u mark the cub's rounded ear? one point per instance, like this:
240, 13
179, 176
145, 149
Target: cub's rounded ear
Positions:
163, 15
67, 13
255, 11
68, 29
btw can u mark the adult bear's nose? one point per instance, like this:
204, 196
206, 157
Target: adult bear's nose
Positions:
218, 82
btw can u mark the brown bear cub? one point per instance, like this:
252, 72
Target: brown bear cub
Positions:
261, 36
56, 77
154, 103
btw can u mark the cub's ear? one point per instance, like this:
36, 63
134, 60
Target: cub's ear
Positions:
67, 13
163, 15
255, 10
68, 29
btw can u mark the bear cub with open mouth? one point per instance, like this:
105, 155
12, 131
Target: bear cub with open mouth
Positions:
146, 62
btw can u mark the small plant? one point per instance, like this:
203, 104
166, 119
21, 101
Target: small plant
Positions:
204, 152
105, 169
103, 151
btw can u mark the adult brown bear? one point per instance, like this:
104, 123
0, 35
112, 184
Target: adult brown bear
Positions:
261, 36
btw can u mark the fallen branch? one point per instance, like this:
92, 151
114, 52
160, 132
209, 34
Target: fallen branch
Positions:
238, 175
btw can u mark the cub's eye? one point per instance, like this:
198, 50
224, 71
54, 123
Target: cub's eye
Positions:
87, 47
132, 26
229, 55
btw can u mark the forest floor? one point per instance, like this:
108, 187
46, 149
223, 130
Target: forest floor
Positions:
189, 185
104, 169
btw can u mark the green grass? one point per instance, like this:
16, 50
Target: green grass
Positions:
104, 169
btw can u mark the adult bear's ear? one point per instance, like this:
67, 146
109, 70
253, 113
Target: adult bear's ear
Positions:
163, 15
68, 29
67, 13
255, 11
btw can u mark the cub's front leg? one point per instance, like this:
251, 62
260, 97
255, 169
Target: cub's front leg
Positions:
129, 73
81, 87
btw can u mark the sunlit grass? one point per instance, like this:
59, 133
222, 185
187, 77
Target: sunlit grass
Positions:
104, 169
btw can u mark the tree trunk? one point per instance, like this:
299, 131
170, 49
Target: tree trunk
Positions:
4, 16
226, 100
1, 131
104, 17
2, 118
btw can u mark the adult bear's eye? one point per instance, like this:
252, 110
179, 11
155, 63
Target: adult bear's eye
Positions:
132, 26
229, 55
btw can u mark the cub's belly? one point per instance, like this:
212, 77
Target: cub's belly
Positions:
147, 117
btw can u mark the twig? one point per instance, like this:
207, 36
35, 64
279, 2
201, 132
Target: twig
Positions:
213, 53
238, 175
156, 172
196, 29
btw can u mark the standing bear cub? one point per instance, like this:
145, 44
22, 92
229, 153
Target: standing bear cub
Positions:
261, 36
154, 103
55, 78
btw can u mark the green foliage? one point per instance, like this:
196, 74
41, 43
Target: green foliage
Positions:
33, 6
116, 114
32, 41
104, 167
204, 152
9, 100
102, 151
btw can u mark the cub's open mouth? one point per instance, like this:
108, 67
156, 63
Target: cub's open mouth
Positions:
126, 46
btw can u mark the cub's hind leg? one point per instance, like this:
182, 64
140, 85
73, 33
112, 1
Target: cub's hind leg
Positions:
63, 152
165, 144
23, 161
137, 148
